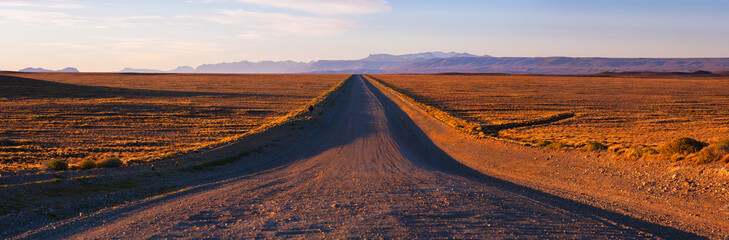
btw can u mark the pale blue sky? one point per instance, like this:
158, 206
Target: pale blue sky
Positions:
110, 35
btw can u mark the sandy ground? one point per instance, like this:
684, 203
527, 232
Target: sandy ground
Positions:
377, 167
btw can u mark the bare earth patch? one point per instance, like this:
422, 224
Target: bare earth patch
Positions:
617, 111
137, 117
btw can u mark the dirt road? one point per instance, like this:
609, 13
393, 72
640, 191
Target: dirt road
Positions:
366, 170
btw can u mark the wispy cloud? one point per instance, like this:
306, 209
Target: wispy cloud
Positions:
46, 18
308, 18
250, 35
63, 4
133, 21
160, 45
64, 45
281, 22
58, 18
327, 7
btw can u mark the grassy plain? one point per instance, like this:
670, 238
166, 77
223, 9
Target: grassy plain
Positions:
143, 117
617, 111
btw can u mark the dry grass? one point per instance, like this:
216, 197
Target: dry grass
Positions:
142, 117
619, 111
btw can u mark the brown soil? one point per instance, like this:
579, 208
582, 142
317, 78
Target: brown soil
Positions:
375, 166
138, 117
618, 110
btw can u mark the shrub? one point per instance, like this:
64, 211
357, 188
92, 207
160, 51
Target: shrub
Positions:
594, 146
639, 152
56, 165
706, 155
714, 152
87, 164
682, 145
110, 163
722, 146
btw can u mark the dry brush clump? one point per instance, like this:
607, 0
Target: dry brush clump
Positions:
111, 162
86, 164
638, 152
681, 149
682, 146
557, 145
594, 146
58, 165
717, 151
138, 117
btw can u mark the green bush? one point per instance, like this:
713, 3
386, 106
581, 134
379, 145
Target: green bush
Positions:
110, 163
87, 164
594, 146
56, 165
682, 145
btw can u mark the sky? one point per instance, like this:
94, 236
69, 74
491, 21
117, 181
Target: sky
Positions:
102, 36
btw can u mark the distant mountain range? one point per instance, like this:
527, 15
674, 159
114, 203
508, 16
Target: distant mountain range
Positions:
30, 69
370, 64
451, 62
441, 62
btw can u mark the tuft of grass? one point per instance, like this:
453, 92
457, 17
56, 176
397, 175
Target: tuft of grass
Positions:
681, 145
111, 162
87, 164
639, 152
557, 145
58, 165
714, 152
594, 146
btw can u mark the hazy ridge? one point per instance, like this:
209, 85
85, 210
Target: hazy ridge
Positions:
440, 62
451, 62
30, 69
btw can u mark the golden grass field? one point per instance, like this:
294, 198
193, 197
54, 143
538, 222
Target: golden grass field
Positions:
618, 111
77, 116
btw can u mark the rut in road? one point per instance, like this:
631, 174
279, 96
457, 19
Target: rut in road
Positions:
366, 171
